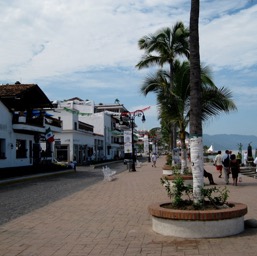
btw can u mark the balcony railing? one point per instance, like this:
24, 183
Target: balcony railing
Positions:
36, 121
53, 121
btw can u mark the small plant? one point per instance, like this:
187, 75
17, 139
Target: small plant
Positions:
187, 171
219, 198
213, 197
169, 159
175, 169
177, 191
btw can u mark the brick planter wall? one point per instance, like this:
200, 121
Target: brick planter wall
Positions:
198, 223
188, 179
158, 211
183, 176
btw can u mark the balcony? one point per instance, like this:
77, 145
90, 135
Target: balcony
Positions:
36, 124
86, 127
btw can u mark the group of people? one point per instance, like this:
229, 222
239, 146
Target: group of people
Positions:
206, 174
229, 164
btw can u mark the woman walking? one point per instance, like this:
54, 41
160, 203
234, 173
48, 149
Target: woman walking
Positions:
235, 169
218, 163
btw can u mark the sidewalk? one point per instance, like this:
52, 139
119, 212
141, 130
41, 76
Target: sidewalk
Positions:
111, 218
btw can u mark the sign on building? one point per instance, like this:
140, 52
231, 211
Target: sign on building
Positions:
127, 142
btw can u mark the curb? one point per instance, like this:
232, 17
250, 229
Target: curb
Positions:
31, 177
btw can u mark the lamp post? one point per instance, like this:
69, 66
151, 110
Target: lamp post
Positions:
131, 117
149, 153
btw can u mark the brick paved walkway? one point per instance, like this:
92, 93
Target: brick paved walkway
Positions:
111, 218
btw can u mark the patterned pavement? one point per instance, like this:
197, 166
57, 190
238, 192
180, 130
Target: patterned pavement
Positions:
111, 218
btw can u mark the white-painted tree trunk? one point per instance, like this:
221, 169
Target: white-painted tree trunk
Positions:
196, 152
183, 160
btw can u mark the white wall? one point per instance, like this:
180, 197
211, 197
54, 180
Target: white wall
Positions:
100, 121
7, 133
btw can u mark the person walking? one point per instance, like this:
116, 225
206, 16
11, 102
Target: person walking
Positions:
154, 159
218, 163
235, 168
226, 165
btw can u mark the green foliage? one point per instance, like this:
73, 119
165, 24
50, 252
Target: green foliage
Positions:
177, 191
216, 196
182, 195
187, 171
169, 159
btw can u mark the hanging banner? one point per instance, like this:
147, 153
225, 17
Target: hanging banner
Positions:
77, 112
133, 112
146, 144
127, 142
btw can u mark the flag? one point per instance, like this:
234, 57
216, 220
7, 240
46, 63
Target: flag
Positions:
49, 135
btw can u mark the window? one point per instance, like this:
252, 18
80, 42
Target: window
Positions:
21, 151
62, 153
2, 149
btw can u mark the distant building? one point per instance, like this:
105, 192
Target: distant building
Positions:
90, 132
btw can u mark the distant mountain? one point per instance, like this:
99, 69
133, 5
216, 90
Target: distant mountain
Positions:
229, 141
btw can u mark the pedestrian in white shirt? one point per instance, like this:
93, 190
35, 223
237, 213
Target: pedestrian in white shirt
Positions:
154, 159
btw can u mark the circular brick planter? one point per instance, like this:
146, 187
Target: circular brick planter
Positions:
188, 179
166, 170
198, 223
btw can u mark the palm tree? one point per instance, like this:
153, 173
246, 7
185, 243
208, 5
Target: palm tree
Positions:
174, 106
166, 132
196, 142
164, 47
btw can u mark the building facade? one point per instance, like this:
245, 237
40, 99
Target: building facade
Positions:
23, 125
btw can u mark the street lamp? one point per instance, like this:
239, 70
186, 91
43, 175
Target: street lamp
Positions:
149, 153
131, 117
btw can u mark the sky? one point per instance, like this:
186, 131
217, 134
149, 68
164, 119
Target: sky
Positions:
89, 49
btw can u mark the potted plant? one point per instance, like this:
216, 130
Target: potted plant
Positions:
213, 217
176, 173
167, 169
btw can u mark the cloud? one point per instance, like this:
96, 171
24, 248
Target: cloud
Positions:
228, 42
69, 36
80, 48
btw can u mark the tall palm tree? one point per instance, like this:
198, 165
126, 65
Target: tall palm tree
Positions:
196, 133
166, 131
163, 48
174, 105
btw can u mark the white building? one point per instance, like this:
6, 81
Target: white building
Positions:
90, 132
23, 124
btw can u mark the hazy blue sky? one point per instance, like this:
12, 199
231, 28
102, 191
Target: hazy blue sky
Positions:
88, 49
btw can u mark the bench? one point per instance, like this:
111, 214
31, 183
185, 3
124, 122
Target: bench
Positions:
109, 175
138, 164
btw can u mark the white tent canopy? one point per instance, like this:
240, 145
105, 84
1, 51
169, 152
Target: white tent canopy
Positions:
210, 149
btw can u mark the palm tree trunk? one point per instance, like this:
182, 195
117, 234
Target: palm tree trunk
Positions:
171, 140
183, 152
174, 134
173, 127
196, 144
